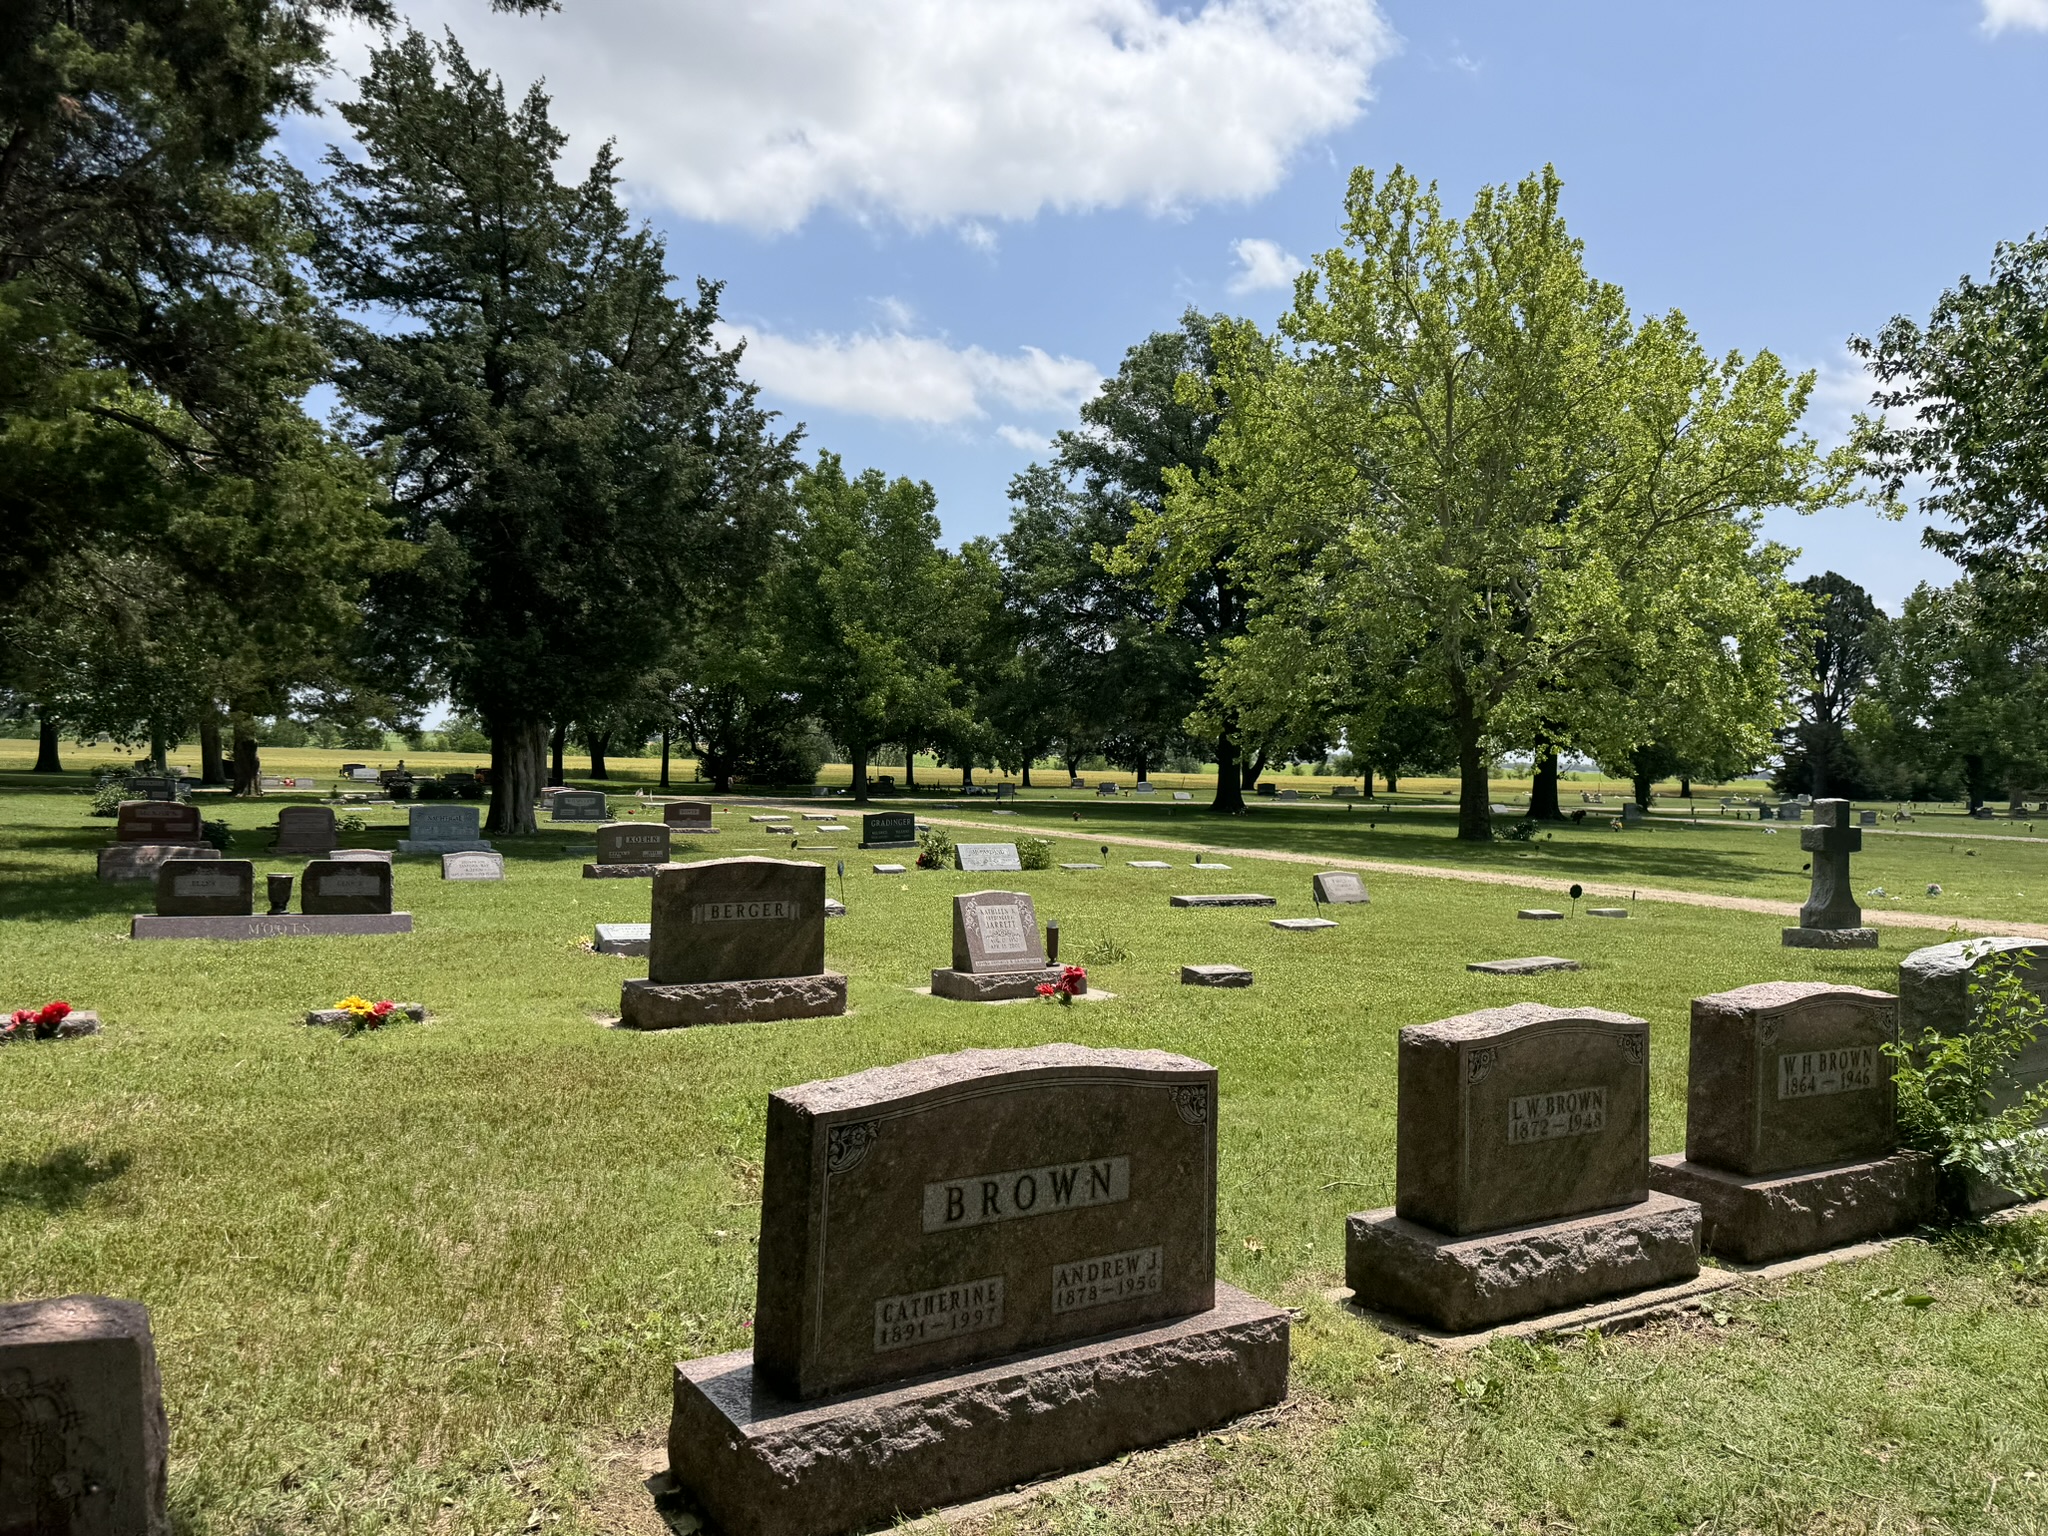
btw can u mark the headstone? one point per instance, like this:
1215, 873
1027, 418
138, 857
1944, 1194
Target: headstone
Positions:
1148, 864
1181, 794
735, 940
622, 938
687, 816
1345, 791
148, 786
157, 821
1288, 794
1340, 888
888, 829
998, 953
1144, 788
988, 858
1105, 790
1215, 976
1631, 813
1222, 899
1267, 789
1934, 992
1540, 915
303, 829
1006, 791
890, 869
1521, 1172
1301, 924
1866, 818
628, 849
205, 888
472, 866
1791, 1139
1791, 812
1607, 911
345, 887
442, 828
1077, 782
1080, 866
1529, 965
578, 805
833, 826
141, 861
83, 1437
1830, 919
973, 1270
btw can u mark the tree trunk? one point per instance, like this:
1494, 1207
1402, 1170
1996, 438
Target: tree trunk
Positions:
47, 760
598, 743
159, 749
1543, 787
518, 754
1141, 769
1817, 764
1975, 781
211, 769
559, 741
1254, 769
1393, 781
1229, 788
1685, 786
1642, 783
966, 772
664, 757
859, 755
248, 761
1027, 773
1475, 795
1366, 788
909, 766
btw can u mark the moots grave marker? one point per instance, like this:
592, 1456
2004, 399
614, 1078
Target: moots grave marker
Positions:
1521, 1172
735, 941
1791, 1137
997, 951
974, 1270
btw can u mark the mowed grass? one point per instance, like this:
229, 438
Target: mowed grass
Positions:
432, 1279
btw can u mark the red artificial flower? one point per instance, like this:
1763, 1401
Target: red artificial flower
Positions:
54, 1012
383, 1009
1046, 989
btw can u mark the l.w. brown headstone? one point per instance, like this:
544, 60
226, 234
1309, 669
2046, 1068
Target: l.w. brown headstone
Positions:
157, 821
342, 886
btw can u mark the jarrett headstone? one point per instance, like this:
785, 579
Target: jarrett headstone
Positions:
734, 941
1791, 1137
1341, 888
1831, 919
1521, 1172
83, 1438
205, 888
973, 1270
577, 805
998, 952
888, 829
628, 850
305, 829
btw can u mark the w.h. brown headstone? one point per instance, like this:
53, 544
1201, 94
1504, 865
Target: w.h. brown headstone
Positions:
1791, 1136
1521, 1174
973, 1270
735, 940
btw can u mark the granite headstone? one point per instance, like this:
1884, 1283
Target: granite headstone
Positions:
1339, 888
888, 829
577, 805
157, 821
303, 829
338, 887
205, 888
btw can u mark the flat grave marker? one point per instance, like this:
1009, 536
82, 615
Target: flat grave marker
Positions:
1340, 888
987, 858
1215, 976
1528, 965
1223, 899
1302, 924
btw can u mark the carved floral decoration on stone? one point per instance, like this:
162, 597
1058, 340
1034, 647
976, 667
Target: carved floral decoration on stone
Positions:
35, 1023
1073, 978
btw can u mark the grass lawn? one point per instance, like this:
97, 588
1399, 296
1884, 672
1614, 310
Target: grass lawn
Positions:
432, 1279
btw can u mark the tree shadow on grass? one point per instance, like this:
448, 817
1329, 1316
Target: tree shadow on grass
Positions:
59, 1180
36, 893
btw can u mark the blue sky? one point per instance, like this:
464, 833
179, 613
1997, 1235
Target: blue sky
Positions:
940, 221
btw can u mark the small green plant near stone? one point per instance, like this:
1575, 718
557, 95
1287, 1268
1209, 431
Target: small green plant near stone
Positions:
934, 848
1946, 1084
351, 824
1034, 853
108, 794
1523, 830
219, 834
1104, 951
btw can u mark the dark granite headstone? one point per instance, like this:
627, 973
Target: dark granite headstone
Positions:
157, 821
888, 829
738, 919
1830, 918
205, 888
577, 805
345, 886
973, 1270
1339, 888
632, 842
443, 829
305, 829
687, 816
996, 931
83, 1438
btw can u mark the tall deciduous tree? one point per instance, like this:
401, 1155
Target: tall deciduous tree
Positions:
1835, 651
1472, 456
580, 465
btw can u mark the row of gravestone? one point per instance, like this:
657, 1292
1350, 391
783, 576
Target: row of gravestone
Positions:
216, 899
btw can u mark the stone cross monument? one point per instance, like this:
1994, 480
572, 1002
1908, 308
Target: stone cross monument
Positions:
1831, 919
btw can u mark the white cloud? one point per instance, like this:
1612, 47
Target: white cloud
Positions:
936, 112
900, 377
2000, 14
1022, 437
1263, 264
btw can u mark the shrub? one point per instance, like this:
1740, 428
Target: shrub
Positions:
401, 789
1034, 852
432, 789
108, 794
351, 824
934, 848
471, 788
219, 834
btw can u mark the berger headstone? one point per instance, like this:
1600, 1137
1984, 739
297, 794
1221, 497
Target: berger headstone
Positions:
973, 1270
83, 1437
577, 805
157, 821
1521, 1172
988, 858
732, 941
338, 887
1831, 919
303, 829
1791, 1134
205, 888
1340, 888
998, 953
628, 849
888, 829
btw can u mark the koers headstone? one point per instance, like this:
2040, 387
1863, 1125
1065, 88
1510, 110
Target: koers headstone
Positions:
1521, 1172
1791, 1135
628, 849
973, 1270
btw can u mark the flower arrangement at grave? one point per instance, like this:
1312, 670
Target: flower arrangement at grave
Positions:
1073, 978
35, 1023
934, 848
364, 1014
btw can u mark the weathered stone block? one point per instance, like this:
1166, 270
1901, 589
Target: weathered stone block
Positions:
994, 986
682, 1005
1528, 965
1223, 899
1215, 976
1756, 1218
1830, 938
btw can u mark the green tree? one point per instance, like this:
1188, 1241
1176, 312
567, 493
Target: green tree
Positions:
1836, 646
1469, 459
580, 466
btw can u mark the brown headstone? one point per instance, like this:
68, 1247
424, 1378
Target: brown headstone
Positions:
741, 919
305, 829
996, 931
687, 815
345, 887
157, 821
965, 1207
1790, 1074
632, 842
205, 888
82, 1432
1521, 1114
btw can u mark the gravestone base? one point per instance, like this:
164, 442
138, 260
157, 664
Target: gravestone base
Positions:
445, 845
995, 986
283, 925
763, 1465
1830, 938
680, 1005
74, 1025
330, 1017
1223, 899
1462, 1283
1782, 1215
139, 861
619, 871
1215, 976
